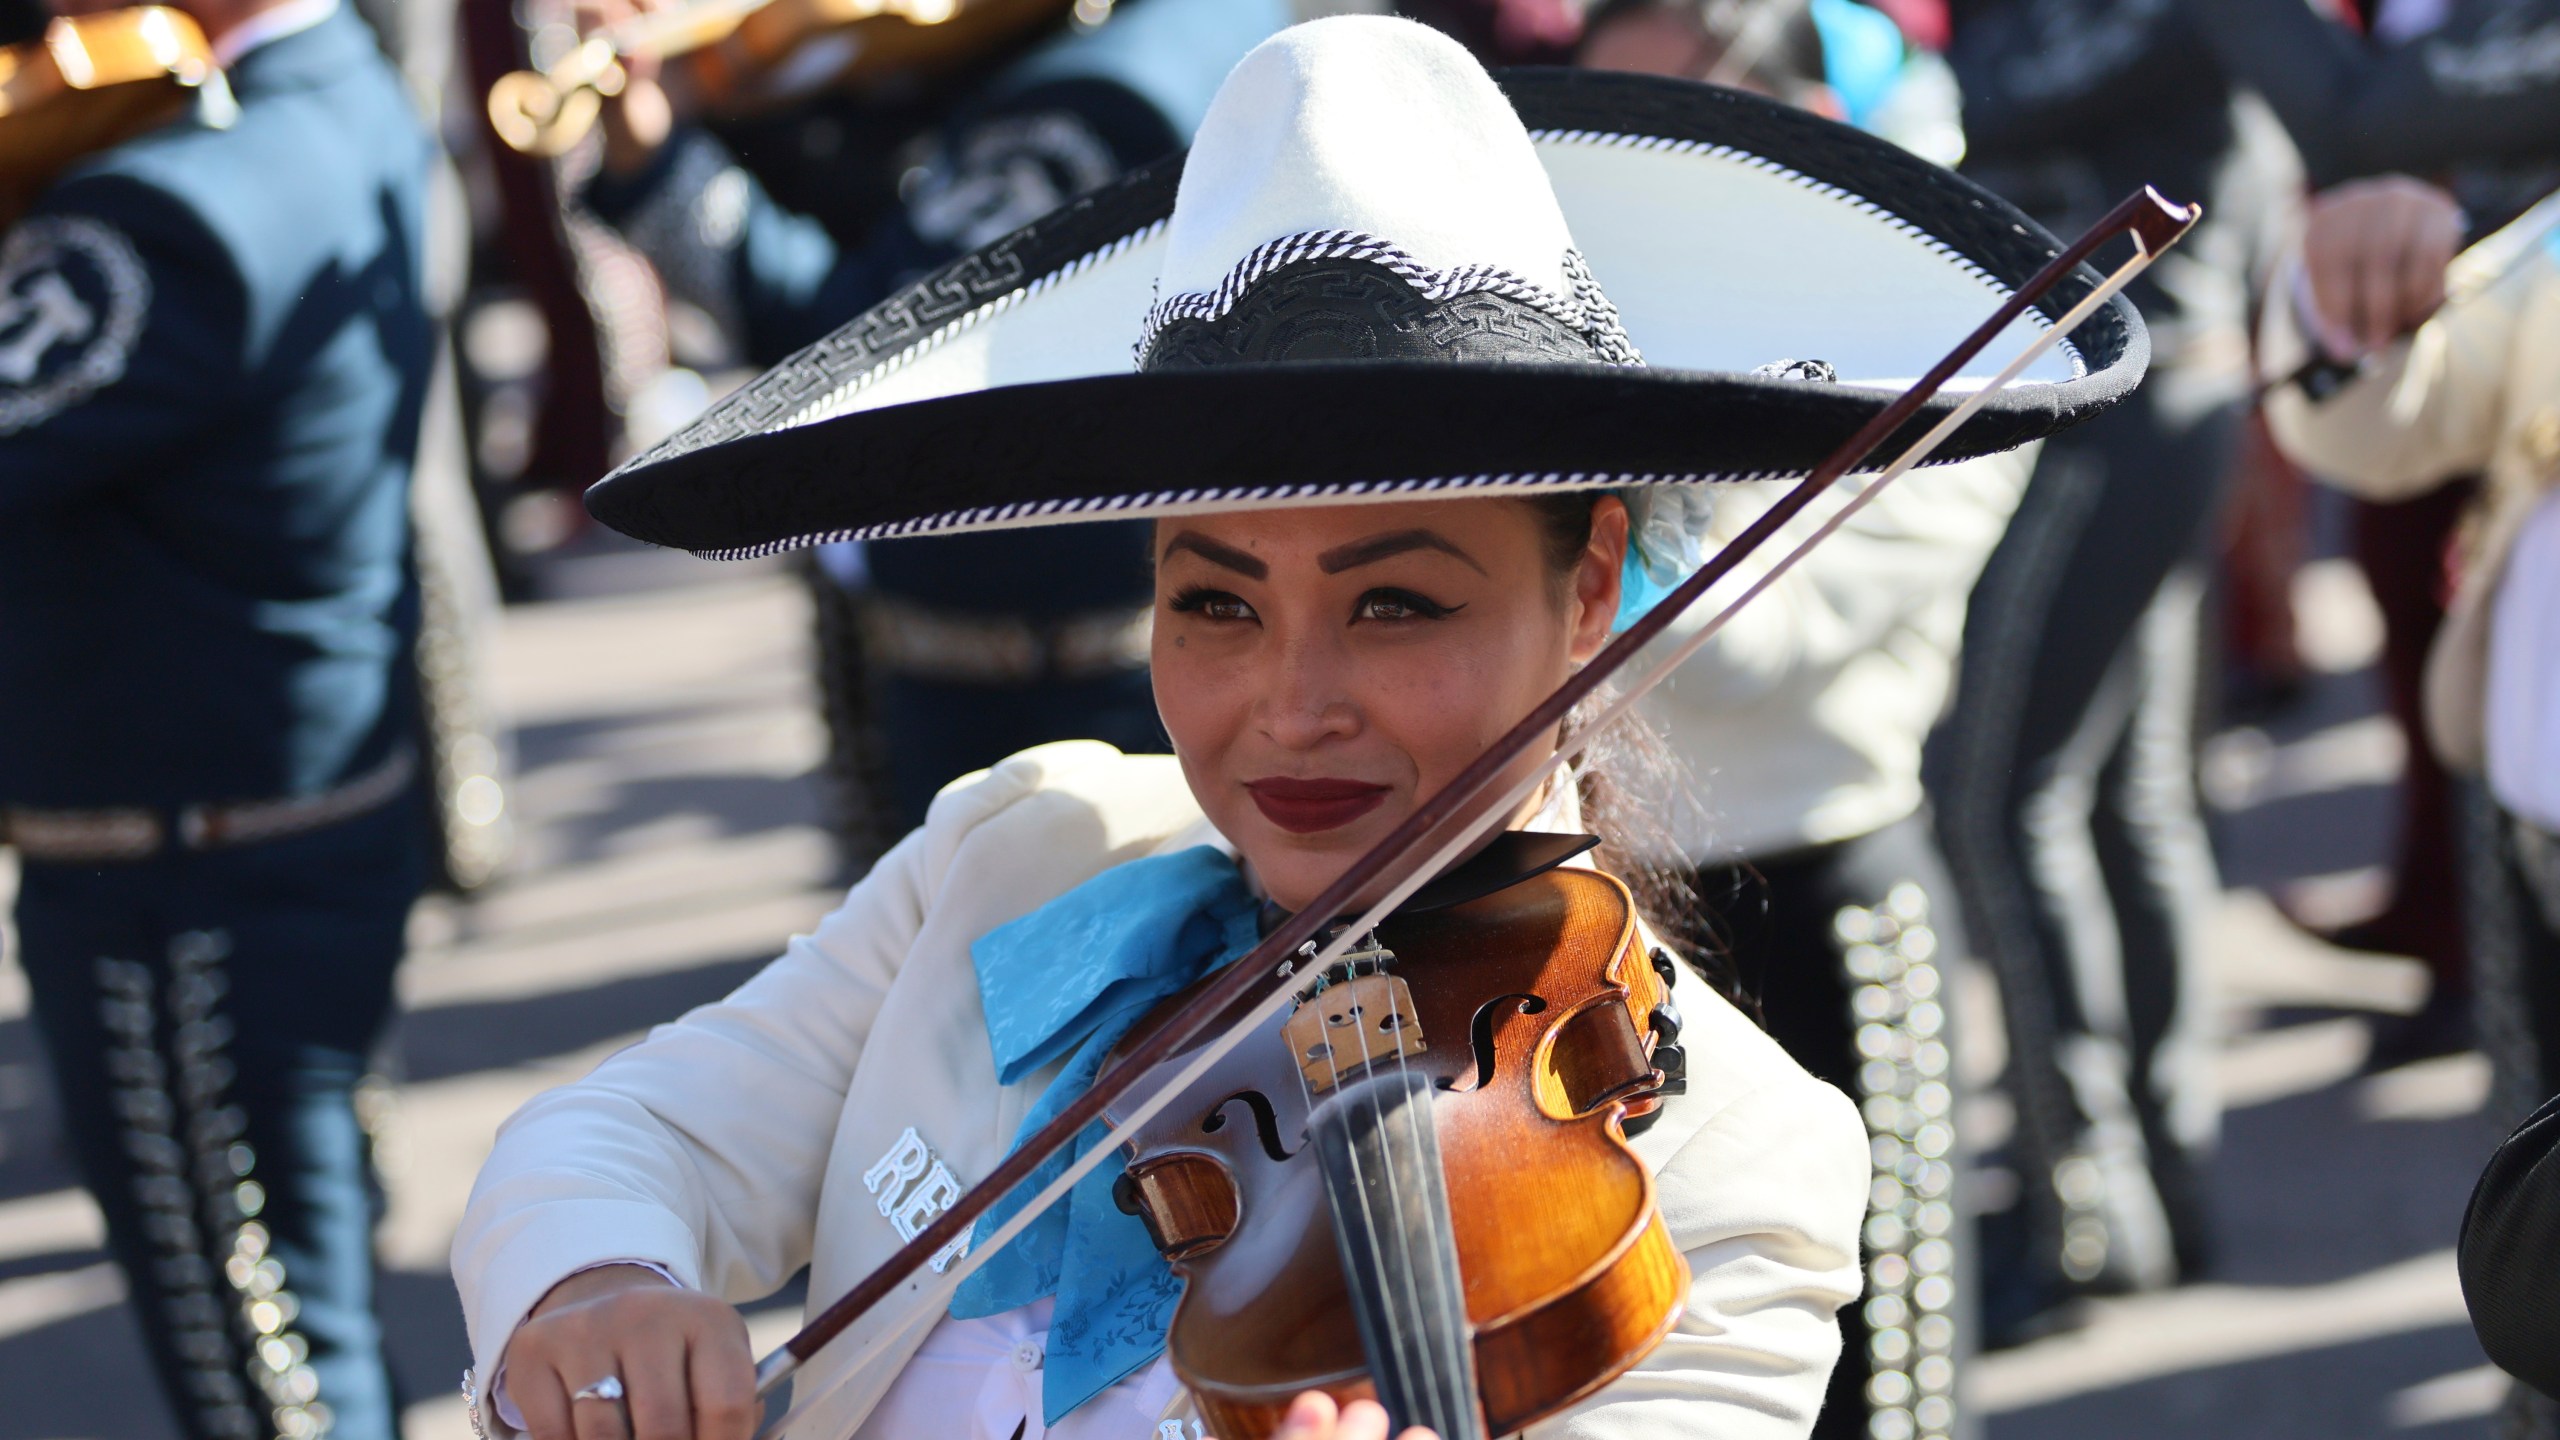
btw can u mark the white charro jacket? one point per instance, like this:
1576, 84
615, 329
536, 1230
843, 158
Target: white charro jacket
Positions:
1801, 722
731, 1147
2475, 391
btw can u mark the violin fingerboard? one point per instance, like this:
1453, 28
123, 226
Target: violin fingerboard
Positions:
1380, 1154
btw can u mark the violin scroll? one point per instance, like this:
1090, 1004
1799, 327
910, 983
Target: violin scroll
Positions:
90, 83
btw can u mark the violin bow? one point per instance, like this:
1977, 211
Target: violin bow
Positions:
1468, 805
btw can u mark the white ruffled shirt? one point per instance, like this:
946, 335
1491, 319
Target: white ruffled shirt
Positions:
980, 1380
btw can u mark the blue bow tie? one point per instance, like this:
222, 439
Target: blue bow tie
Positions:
1070, 979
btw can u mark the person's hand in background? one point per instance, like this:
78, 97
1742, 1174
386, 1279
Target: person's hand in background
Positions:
2374, 254
638, 120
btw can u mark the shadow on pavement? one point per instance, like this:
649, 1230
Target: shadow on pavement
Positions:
2341, 1393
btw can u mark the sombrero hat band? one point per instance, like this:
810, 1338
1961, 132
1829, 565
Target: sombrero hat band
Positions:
1375, 301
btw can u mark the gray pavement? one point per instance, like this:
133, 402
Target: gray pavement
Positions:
670, 838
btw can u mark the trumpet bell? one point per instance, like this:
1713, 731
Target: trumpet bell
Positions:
534, 116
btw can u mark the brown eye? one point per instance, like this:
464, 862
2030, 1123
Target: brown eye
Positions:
1210, 604
1391, 606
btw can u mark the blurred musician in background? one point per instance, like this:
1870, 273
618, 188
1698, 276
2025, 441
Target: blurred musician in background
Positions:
2064, 774
940, 656
213, 355
1803, 721
2467, 94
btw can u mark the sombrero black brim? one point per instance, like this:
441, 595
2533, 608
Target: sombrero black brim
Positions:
1203, 439
982, 397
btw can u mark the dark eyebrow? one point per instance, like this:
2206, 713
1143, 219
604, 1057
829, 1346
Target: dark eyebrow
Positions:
1217, 554
1394, 542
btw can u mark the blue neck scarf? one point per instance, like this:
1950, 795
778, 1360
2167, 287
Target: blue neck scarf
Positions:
1069, 980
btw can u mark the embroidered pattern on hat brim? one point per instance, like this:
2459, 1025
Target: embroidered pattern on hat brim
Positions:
838, 398
1586, 310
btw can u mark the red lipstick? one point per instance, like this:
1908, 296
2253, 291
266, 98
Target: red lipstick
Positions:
1303, 807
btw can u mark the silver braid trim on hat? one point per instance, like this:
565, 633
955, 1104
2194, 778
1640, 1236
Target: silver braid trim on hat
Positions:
1157, 502
192, 1177
1586, 309
1906, 1096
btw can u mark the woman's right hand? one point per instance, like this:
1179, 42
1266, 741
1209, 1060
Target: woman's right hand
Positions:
681, 1356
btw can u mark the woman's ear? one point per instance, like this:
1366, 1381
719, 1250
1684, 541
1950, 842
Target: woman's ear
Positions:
1595, 580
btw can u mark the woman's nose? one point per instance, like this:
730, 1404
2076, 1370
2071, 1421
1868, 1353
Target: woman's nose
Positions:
1306, 702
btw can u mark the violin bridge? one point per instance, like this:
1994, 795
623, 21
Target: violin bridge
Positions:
1343, 1029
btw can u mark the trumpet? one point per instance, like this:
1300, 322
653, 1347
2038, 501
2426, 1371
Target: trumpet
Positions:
735, 49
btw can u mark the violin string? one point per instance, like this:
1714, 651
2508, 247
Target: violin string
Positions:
1419, 1123
1145, 1105
1368, 1235
1402, 1238
1377, 1236
1464, 829
1467, 829
1434, 1215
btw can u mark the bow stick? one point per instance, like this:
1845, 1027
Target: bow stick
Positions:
1298, 943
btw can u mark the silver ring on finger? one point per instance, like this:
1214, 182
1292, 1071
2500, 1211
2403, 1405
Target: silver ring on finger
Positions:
608, 1388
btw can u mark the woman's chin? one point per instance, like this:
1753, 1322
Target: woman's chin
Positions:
1295, 869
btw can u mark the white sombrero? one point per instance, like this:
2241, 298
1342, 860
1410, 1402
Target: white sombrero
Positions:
1381, 271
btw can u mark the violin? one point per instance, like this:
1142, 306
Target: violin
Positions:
1434, 1143
736, 54
90, 83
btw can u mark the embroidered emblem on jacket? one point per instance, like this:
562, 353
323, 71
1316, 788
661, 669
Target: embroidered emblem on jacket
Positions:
915, 1187
72, 297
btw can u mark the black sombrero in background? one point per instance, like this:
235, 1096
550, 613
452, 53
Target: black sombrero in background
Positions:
1381, 275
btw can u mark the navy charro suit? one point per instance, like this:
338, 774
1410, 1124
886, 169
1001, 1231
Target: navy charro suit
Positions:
213, 357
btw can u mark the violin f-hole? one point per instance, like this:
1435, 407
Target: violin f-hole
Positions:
1481, 1036
1266, 1124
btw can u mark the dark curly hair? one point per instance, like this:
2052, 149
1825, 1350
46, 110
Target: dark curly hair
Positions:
1625, 767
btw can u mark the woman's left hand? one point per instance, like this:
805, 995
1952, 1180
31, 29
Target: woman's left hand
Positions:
1312, 1416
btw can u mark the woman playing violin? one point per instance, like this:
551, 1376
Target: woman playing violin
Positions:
1369, 269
